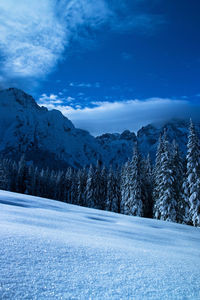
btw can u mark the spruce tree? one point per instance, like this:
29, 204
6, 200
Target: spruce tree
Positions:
193, 176
178, 173
90, 185
112, 201
103, 188
133, 204
147, 186
3, 177
81, 186
124, 186
22, 175
165, 204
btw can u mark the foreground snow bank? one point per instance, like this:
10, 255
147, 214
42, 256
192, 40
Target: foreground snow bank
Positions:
53, 250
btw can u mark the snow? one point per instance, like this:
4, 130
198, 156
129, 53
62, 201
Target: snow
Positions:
53, 250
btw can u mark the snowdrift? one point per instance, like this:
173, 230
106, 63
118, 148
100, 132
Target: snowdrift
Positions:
53, 250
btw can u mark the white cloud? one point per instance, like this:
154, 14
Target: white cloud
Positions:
84, 85
34, 34
52, 99
32, 38
70, 99
130, 114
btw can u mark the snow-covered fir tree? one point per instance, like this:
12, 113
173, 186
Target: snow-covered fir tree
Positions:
97, 187
103, 188
124, 185
22, 175
3, 177
81, 186
147, 185
178, 174
90, 188
165, 204
192, 184
112, 195
74, 187
133, 204
68, 185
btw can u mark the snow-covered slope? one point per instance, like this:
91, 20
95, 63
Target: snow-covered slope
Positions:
50, 139
53, 250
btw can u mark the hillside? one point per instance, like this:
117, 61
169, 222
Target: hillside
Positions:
53, 250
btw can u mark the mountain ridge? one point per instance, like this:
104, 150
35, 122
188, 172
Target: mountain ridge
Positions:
45, 135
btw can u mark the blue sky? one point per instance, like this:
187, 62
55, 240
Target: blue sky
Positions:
107, 65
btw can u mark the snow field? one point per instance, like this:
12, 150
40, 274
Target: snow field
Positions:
53, 250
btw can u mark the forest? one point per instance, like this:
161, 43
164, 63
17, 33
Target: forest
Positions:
168, 190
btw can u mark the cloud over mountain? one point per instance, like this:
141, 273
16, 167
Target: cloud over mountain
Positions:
129, 114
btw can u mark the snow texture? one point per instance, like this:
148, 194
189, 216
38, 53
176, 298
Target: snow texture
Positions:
53, 250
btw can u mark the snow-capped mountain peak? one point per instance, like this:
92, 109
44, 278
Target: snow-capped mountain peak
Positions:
50, 139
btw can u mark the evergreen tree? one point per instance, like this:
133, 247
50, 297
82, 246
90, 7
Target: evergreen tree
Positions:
30, 186
133, 204
192, 184
97, 186
90, 194
3, 177
147, 186
112, 195
81, 182
103, 188
178, 173
165, 205
22, 175
74, 188
68, 184
124, 186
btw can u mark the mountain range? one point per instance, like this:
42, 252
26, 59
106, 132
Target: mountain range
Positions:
50, 139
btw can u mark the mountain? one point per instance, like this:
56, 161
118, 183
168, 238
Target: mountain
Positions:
42, 134
176, 130
50, 139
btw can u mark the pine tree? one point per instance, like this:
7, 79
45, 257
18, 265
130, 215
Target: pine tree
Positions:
12, 175
3, 177
81, 186
52, 184
74, 188
193, 176
178, 173
30, 180
22, 175
165, 204
133, 204
124, 186
103, 188
147, 186
90, 194
68, 185
112, 200
97, 186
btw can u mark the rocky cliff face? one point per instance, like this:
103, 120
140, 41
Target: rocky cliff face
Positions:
50, 139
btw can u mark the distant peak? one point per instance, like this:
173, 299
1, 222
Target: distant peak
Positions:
19, 96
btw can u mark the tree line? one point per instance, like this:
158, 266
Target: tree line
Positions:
168, 190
